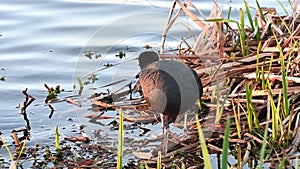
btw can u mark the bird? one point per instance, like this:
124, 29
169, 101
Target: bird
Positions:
168, 86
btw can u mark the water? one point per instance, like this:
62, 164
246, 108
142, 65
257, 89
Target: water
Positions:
43, 42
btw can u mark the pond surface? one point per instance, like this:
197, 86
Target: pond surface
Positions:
44, 42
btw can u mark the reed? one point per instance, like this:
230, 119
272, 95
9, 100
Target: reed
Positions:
242, 34
228, 17
237, 119
262, 16
56, 134
225, 146
257, 62
80, 83
286, 104
249, 16
282, 6
275, 113
251, 113
22, 150
120, 140
282, 163
205, 154
238, 156
158, 163
241, 29
263, 149
218, 104
13, 164
257, 29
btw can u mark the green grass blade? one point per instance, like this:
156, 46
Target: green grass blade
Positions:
200, 105
143, 165
56, 138
207, 162
263, 78
249, 108
182, 165
249, 15
257, 29
120, 140
242, 33
282, 6
282, 128
252, 116
263, 148
282, 163
158, 163
284, 79
220, 107
257, 62
228, 17
22, 150
7, 149
297, 163
80, 82
290, 3
260, 12
224, 20
218, 104
225, 145
270, 66
237, 119
274, 113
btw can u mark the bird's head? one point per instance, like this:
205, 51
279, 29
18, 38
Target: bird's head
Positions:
147, 57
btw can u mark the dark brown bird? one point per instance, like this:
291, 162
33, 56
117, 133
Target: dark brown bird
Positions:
168, 86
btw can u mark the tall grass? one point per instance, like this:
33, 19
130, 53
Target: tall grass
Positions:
158, 163
220, 106
276, 119
242, 33
263, 149
237, 119
22, 150
283, 8
240, 26
225, 145
257, 62
286, 104
249, 15
282, 163
205, 154
260, 12
228, 17
251, 113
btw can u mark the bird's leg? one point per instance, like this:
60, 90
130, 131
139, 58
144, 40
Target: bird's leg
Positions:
130, 90
185, 122
165, 141
165, 124
162, 120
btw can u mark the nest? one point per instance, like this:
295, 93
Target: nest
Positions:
250, 75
